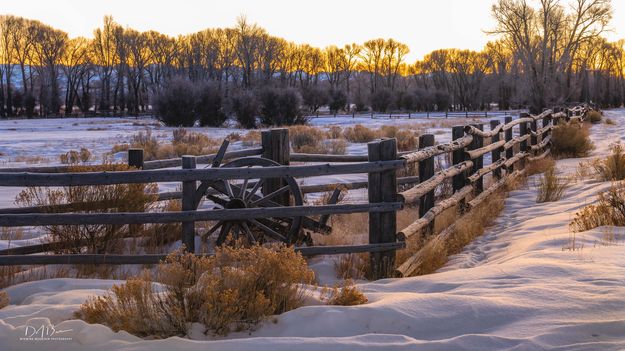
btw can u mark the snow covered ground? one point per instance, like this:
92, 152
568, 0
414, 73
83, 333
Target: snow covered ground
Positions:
518, 287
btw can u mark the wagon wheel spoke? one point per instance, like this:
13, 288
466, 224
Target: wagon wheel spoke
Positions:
270, 232
271, 195
257, 186
248, 233
237, 230
228, 188
223, 234
218, 200
212, 230
243, 187
222, 189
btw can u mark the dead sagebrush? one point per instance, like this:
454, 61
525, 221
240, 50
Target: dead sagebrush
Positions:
594, 117
306, 139
4, 299
352, 266
539, 166
407, 139
335, 132
551, 187
233, 290
571, 140
347, 294
612, 167
359, 134
91, 199
608, 211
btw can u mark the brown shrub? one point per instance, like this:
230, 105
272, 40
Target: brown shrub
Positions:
608, 211
359, 134
407, 139
539, 166
4, 299
91, 199
594, 117
551, 187
335, 132
613, 166
346, 295
306, 139
610, 121
192, 143
233, 290
571, 140
336, 147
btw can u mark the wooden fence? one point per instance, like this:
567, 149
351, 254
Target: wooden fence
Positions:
279, 213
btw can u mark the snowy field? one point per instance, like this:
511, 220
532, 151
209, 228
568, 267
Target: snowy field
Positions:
518, 287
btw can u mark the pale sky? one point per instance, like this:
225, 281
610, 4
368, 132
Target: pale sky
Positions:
424, 25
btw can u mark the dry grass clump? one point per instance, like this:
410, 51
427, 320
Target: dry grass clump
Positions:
594, 117
91, 199
346, 295
183, 143
36, 159
352, 266
335, 147
231, 291
335, 132
359, 134
146, 141
73, 157
306, 139
434, 251
613, 166
610, 121
571, 140
4, 299
539, 166
407, 140
608, 211
192, 143
157, 236
551, 187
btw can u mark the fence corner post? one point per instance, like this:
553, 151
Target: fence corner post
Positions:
382, 187
276, 147
188, 204
426, 171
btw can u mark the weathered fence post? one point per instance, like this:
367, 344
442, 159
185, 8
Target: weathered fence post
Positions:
507, 138
426, 171
545, 134
458, 181
135, 158
534, 137
188, 204
496, 154
523, 131
478, 163
383, 225
276, 147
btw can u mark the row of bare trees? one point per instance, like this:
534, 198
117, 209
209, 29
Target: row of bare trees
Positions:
543, 52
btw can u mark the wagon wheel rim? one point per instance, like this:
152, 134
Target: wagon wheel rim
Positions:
246, 194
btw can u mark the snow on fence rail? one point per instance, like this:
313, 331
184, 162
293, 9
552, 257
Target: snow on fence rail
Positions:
279, 213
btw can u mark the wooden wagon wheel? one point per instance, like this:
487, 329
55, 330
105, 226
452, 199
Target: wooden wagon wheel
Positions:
247, 194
